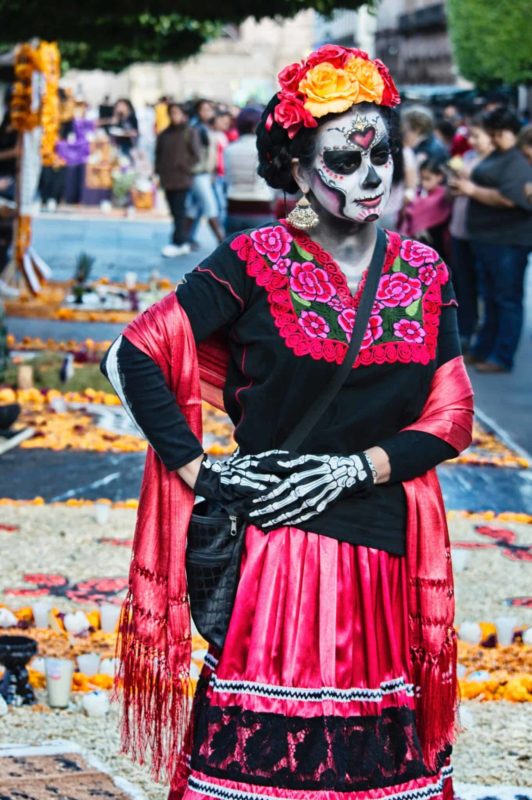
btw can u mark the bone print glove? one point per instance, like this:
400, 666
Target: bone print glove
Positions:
233, 483
311, 483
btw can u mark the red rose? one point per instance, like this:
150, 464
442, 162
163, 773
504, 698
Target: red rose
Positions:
291, 115
282, 265
373, 331
311, 282
397, 289
346, 320
273, 242
290, 77
314, 325
390, 95
410, 330
332, 53
417, 254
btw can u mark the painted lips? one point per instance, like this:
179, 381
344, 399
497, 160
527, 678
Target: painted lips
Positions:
370, 202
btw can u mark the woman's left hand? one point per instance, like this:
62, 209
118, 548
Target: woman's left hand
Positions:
311, 484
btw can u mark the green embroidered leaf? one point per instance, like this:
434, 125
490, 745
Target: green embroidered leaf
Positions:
397, 265
298, 301
303, 253
413, 308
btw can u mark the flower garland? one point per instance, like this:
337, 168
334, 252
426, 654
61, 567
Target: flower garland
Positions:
50, 112
330, 81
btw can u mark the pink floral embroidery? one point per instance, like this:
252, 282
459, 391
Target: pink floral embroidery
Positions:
346, 320
427, 274
373, 331
397, 289
310, 282
314, 325
337, 304
273, 242
410, 330
418, 254
282, 266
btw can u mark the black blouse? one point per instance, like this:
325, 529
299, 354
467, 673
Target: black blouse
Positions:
288, 314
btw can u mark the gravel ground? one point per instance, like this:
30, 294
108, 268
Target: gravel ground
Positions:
494, 747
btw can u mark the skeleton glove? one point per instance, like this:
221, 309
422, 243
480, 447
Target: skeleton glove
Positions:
310, 484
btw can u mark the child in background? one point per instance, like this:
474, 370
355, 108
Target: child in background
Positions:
427, 216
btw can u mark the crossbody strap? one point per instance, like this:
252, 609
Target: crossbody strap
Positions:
331, 389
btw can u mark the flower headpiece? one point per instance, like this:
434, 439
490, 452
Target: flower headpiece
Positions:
330, 81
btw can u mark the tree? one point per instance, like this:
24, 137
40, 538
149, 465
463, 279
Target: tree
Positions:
490, 42
112, 35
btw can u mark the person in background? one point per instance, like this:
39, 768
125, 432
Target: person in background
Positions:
404, 187
124, 128
162, 114
460, 141
221, 125
74, 150
444, 131
524, 142
462, 256
105, 110
201, 200
418, 133
249, 198
499, 223
427, 216
176, 152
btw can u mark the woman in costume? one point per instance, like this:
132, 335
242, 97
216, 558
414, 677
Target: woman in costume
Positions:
337, 676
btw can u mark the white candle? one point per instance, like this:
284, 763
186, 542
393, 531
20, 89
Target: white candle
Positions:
76, 623
96, 704
109, 616
101, 513
470, 632
109, 666
59, 673
505, 629
460, 558
527, 636
89, 663
130, 279
41, 613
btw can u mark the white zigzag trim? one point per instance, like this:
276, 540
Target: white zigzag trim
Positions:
313, 695
223, 793
210, 660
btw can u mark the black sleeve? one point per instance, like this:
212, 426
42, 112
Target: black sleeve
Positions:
140, 384
413, 453
212, 296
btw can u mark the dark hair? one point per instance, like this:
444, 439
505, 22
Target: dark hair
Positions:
173, 104
501, 119
198, 104
446, 128
247, 120
478, 121
276, 150
434, 166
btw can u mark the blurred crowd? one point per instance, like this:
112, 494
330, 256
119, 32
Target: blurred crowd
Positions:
462, 184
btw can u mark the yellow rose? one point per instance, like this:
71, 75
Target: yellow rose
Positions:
366, 75
328, 90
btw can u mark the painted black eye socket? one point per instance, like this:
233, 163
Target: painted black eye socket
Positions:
343, 162
380, 155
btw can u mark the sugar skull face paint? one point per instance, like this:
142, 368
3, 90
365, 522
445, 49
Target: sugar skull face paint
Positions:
351, 175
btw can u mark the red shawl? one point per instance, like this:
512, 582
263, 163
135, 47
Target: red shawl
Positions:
155, 639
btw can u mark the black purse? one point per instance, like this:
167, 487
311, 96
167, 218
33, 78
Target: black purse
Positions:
215, 539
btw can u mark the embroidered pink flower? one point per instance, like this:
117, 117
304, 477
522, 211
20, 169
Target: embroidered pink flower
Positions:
373, 331
282, 266
410, 330
427, 274
314, 324
346, 320
273, 242
311, 282
418, 254
397, 289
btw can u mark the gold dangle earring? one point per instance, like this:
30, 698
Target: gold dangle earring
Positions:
303, 217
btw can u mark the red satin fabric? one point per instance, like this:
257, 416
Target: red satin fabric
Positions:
312, 612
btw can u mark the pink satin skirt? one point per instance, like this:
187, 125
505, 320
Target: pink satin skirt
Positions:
312, 693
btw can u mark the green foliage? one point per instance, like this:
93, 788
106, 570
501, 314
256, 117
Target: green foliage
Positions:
105, 35
490, 40
83, 268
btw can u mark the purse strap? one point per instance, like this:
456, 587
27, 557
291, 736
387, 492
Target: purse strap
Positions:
332, 387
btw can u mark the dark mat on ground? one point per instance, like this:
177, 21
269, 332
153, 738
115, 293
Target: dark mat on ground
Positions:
25, 474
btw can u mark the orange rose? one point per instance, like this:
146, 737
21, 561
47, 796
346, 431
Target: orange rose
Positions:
366, 75
328, 90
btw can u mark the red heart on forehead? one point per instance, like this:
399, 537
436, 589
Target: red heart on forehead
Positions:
363, 138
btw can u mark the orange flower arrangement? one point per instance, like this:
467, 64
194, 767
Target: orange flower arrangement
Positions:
50, 112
